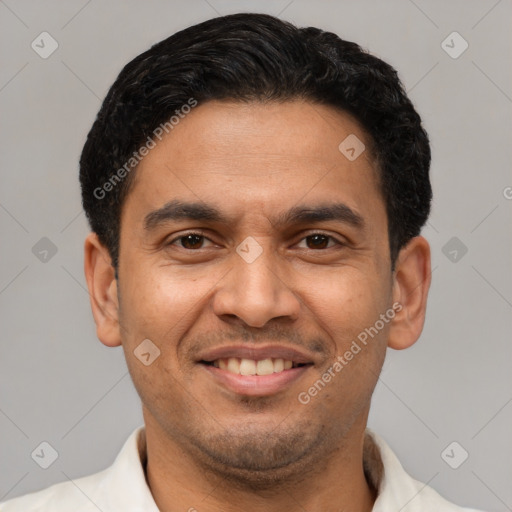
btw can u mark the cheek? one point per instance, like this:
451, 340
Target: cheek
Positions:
347, 307
347, 301
160, 301
159, 306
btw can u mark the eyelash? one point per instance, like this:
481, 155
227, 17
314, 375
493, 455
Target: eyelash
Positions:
201, 235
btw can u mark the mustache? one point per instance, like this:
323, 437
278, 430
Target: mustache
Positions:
293, 338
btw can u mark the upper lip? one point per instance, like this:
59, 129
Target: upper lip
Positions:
256, 353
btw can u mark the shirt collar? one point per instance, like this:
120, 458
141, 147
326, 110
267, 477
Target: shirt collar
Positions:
383, 470
126, 478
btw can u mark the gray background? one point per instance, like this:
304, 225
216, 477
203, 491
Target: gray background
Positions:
60, 385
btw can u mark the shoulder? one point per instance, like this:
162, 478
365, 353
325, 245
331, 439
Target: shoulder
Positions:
114, 488
77, 495
397, 490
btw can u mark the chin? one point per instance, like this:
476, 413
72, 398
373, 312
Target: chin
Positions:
262, 461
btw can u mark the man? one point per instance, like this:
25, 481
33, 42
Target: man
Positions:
256, 193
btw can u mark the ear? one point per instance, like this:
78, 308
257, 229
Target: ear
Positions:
411, 282
102, 285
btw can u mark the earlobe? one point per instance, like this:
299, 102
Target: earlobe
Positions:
411, 283
102, 285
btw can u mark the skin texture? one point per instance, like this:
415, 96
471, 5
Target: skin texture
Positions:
211, 448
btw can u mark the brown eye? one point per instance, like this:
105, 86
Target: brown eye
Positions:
190, 241
317, 241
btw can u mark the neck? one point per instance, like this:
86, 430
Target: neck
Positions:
180, 481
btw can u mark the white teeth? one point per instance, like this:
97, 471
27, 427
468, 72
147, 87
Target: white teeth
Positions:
252, 367
278, 365
265, 367
247, 367
233, 365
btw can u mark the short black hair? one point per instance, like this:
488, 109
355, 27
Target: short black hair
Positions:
256, 57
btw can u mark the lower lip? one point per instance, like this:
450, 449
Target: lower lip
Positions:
256, 385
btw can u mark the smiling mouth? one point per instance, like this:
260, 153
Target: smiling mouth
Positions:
242, 366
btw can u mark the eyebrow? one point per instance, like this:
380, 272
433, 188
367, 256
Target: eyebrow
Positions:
177, 210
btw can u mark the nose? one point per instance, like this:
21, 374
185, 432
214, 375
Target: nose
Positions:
256, 292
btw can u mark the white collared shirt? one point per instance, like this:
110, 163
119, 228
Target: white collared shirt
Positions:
122, 487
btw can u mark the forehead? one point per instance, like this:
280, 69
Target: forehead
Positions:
257, 158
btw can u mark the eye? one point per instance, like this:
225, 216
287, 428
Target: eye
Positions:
190, 241
319, 241
194, 241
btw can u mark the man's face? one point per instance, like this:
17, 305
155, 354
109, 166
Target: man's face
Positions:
253, 284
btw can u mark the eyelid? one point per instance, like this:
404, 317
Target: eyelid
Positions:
303, 236
188, 233
327, 235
